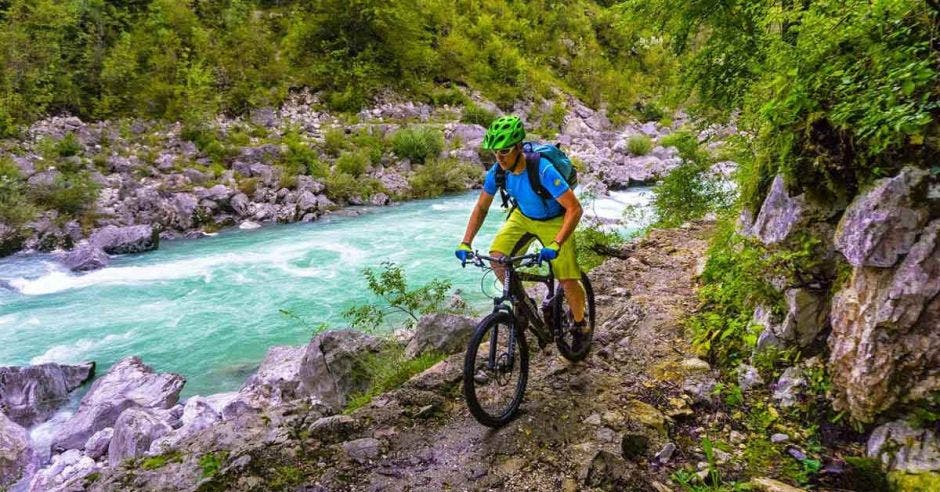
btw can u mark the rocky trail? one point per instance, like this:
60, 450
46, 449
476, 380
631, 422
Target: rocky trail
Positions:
596, 424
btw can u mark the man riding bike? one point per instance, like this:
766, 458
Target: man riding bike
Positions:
552, 221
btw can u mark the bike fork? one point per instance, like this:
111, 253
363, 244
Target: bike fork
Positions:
491, 361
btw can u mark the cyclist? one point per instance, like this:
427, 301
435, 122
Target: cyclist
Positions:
552, 221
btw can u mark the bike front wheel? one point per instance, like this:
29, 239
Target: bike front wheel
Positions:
572, 345
496, 370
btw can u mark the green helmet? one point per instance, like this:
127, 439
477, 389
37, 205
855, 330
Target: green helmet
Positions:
505, 132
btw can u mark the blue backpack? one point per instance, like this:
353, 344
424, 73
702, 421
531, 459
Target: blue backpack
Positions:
534, 152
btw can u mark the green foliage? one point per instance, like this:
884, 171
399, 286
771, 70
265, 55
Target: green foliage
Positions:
476, 115
391, 286
211, 463
639, 144
353, 163
335, 141
388, 370
341, 187
188, 60
372, 145
688, 191
69, 193
159, 461
301, 158
15, 207
732, 284
285, 476
443, 176
591, 238
418, 143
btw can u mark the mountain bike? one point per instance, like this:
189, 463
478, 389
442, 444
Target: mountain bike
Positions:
496, 365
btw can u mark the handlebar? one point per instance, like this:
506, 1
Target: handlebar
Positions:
478, 259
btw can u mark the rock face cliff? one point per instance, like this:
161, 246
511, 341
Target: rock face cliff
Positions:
873, 307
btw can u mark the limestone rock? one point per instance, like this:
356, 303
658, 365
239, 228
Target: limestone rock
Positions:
277, 379
30, 395
771, 485
134, 431
779, 215
67, 472
86, 257
441, 333
884, 343
883, 224
363, 450
122, 240
129, 384
15, 452
97, 445
788, 389
902, 447
333, 365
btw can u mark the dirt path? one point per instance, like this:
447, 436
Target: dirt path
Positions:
578, 422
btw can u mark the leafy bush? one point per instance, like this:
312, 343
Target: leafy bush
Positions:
397, 298
373, 146
335, 141
639, 144
443, 176
418, 143
353, 163
71, 193
475, 115
341, 187
301, 158
15, 207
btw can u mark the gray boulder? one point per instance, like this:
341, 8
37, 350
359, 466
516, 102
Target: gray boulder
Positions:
806, 317
902, 447
218, 193
97, 445
66, 472
306, 183
134, 431
86, 257
779, 215
240, 204
10, 239
306, 202
441, 333
30, 395
884, 344
129, 384
333, 366
277, 379
195, 176
178, 211
789, 387
123, 240
16, 456
882, 224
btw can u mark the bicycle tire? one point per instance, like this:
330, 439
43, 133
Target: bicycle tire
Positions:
470, 371
558, 313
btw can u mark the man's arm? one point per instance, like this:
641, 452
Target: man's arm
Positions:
478, 216
573, 214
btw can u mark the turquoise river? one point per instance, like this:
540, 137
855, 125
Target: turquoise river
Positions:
210, 308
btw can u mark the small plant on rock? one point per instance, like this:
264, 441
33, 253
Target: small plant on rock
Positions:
391, 286
639, 144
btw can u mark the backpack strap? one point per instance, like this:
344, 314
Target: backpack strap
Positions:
532, 163
501, 185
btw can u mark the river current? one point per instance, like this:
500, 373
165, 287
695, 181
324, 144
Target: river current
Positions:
210, 308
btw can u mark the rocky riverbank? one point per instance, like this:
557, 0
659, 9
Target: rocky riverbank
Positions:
296, 163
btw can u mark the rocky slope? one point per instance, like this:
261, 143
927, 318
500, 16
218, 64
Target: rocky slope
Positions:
153, 176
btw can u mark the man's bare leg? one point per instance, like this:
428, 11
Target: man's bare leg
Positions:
576, 297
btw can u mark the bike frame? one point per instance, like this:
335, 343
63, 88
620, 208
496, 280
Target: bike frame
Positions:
511, 302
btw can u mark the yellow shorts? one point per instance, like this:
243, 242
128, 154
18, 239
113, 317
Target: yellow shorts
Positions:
521, 228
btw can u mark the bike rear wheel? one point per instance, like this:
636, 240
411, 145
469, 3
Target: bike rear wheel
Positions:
496, 370
565, 332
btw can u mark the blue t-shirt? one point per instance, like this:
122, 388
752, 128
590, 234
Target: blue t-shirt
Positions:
530, 203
